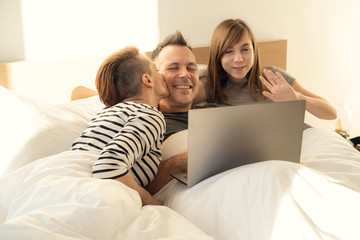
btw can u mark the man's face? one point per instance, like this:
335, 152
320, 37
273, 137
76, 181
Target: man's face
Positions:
178, 66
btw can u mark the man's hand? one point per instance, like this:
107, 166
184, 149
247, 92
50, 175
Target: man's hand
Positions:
171, 166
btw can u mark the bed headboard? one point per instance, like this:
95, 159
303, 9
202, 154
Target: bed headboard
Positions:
4, 75
29, 78
272, 53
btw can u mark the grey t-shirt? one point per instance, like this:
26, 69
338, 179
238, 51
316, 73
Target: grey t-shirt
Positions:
238, 92
178, 121
175, 122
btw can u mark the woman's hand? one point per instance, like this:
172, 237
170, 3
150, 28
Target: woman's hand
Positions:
150, 200
279, 89
145, 196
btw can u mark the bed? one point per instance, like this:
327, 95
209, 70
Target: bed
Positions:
47, 192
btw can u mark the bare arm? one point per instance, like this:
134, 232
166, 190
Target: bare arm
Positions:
145, 196
173, 165
316, 105
280, 90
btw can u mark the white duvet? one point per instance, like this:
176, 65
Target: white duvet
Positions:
56, 198
317, 199
46, 194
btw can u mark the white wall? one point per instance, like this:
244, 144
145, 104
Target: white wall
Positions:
65, 41
323, 39
59, 29
11, 32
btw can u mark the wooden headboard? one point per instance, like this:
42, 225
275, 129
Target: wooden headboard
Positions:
4, 75
272, 53
29, 78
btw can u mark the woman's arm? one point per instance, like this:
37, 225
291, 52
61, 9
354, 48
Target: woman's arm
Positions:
140, 136
280, 90
145, 196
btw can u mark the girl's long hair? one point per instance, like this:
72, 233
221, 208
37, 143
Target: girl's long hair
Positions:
226, 34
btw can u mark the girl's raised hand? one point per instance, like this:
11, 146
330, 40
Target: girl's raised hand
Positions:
279, 89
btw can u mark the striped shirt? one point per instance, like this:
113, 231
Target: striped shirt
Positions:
128, 137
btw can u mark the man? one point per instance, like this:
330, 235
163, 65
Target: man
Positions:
176, 62
258, 201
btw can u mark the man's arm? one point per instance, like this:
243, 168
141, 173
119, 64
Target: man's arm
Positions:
171, 166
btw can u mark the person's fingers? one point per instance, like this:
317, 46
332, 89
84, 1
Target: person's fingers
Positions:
266, 83
268, 95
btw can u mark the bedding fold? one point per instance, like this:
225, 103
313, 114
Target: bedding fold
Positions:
56, 198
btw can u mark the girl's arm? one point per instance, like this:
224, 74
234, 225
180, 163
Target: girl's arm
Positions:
280, 90
316, 105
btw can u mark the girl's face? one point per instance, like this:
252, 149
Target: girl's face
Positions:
238, 59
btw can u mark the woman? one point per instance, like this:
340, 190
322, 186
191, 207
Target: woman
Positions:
234, 74
127, 134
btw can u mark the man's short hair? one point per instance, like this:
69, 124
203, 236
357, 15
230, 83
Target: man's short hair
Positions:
176, 39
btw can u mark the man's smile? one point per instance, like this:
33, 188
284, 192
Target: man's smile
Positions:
182, 86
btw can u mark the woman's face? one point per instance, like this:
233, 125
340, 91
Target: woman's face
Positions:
238, 59
161, 89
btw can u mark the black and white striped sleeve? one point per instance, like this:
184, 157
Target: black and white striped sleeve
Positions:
141, 133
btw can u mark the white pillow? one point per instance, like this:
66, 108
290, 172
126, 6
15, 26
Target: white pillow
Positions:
202, 70
175, 145
31, 130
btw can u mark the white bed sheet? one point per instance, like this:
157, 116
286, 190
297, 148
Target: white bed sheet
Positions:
56, 198
31, 130
317, 199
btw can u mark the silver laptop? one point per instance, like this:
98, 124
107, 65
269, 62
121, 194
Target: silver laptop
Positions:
222, 138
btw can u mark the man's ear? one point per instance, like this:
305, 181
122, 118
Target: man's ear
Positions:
147, 80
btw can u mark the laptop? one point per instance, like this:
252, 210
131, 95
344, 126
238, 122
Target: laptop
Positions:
222, 138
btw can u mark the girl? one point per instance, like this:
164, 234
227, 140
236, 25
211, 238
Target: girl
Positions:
234, 74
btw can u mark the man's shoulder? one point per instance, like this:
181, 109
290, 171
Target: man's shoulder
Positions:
205, 105
186, 113
175, 114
